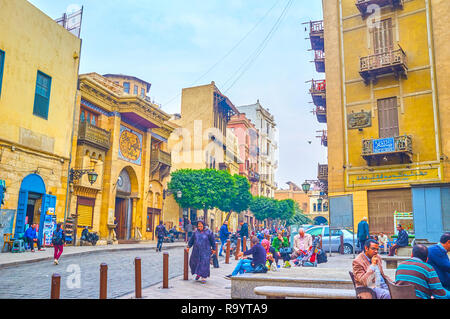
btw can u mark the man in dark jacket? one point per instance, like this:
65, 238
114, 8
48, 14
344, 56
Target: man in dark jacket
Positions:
243, 233
363, 232
438, 258
259, 255
161, 232
402, 240
223, 234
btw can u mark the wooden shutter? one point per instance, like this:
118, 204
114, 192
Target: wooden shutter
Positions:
42, 95
388, 117
383, 40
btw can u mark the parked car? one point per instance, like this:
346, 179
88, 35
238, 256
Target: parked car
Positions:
324, 231
294, 231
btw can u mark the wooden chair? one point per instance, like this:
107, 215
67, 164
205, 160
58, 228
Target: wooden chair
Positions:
362, 292
7, 240
401, 292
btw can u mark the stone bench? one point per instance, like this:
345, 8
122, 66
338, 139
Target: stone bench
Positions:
274, 292
392, 261
404, 251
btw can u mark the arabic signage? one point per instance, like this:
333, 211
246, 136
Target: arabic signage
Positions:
407, 176
130, 145
384, 145
359, 120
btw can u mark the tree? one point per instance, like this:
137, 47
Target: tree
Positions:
286, 210
238, 198
299, 218
263, 207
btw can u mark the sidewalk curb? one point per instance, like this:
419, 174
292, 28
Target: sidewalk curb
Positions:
16, 263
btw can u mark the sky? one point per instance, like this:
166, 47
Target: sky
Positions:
177, 43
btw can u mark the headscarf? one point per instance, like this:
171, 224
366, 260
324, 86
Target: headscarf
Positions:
266, 244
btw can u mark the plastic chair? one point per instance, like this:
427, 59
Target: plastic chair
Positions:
401, 291
7, 240
18, 246
362, 292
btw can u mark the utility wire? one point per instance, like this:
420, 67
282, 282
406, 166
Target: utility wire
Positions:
252, 58
231, 50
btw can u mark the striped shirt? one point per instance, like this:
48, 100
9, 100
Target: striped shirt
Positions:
423, 277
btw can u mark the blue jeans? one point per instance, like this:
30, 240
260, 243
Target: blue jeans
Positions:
159, 244
224, 241
243, 265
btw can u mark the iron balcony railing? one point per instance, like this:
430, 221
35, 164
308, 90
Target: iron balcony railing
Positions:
363, 5
391, 150
392, 61
95, 136
322, 172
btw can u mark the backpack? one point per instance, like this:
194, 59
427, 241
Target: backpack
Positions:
58, 238
321, 257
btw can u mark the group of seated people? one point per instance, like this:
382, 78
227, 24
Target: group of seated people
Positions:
428, 270
267, 253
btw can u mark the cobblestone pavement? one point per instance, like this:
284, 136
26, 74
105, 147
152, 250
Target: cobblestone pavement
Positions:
33, 280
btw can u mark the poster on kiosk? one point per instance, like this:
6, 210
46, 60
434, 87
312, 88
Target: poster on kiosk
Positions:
49, 226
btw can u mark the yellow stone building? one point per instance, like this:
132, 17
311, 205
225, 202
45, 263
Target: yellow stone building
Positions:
201, 141
123, 138
38, 86
388, 112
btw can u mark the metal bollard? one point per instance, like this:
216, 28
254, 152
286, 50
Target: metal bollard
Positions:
103, 281
217, 251
56, 286
137, 277
227, 255
244, 244
238, 248
186, 264
166, 270
341, 248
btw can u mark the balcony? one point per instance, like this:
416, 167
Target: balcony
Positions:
319, 60
94, 136
372, 66
316, 35
318, 92
322, 172
321, 113
159, 156
363, 5
323, 137
388, 151
253, 176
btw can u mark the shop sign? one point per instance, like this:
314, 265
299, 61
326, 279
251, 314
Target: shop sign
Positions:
407, 176
384, 145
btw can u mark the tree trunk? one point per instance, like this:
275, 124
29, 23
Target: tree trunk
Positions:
228, 216
205, 215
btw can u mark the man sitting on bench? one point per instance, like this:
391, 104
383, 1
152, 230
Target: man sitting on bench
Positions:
402, 240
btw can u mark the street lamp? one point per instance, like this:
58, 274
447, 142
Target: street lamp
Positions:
167, 192
319, 201
76, 174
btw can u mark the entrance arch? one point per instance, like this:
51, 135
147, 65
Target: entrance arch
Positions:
33, 205
320, 220
126, 186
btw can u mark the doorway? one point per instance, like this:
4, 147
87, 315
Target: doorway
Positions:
34, 203
123, 214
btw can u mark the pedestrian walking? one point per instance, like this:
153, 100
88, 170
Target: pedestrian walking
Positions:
161, 232
188, 230
223, 235
243, 232
203, 245
58, 241
363, 232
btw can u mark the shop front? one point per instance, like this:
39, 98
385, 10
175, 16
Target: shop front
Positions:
35, 206
385, 207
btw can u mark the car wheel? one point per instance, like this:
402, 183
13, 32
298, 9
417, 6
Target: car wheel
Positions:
348, 249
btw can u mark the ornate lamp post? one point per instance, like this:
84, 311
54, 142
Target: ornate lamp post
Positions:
76, 174
167, 192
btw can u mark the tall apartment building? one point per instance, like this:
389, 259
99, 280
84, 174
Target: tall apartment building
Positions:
201, 142
387, 105
38, 88
267, 144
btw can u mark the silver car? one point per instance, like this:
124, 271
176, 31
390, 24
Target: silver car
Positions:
324, 231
